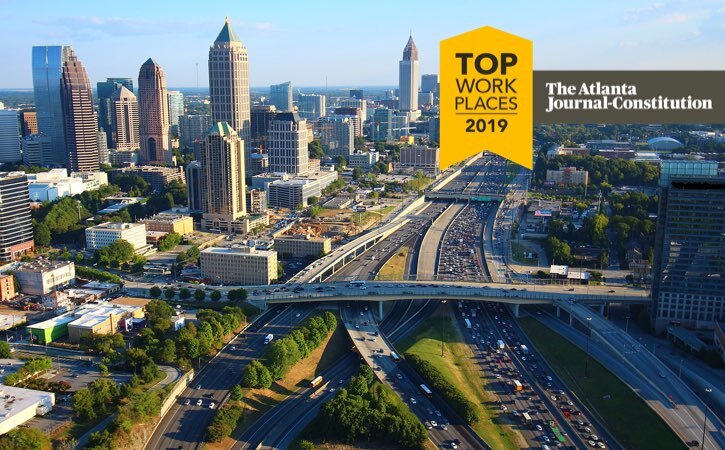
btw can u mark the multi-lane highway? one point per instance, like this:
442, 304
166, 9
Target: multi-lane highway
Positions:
184, 426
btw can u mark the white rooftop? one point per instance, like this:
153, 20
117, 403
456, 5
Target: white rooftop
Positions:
54, 322
14, 400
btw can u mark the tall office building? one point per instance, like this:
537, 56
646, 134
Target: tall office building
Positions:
688, 286
355, 114
79, 117
262, 116
222, 178
28, 123
16, 229
104, 91
288, 144
381, 127
34, 147
124, 122
153, 115
311, 106
280, 95
362, 105
193, 186
229, 84
409, 74
9, 136
337, 134
176, 107
193, 128
429, 83
47, 69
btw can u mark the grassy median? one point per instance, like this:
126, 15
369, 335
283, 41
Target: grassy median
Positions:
394, 268
458, 366
621, 411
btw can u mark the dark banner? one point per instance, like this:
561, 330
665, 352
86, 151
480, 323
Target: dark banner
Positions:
629, 96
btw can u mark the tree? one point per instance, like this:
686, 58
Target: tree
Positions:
4, 349
158, 315
184, 293
84, 405
155, 292
315, 211
315, 149
41, 234
216, 295
169, 242
116, 254
264, 377
357, 173
250, 376
280, 270
199, 295
25, 439
236, 393
168, 352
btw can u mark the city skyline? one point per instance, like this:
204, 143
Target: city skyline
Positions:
631, 36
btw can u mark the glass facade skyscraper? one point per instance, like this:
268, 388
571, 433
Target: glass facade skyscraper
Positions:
104, 91
47, 68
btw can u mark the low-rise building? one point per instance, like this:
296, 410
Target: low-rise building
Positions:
169, 223
56, 183
239, 265
568, 176
256, 201
7, 287
420, 157
302, 246
156, 176
291, 194
105, 234
363, 160
51, 329
41, 276
102, 319
19, 405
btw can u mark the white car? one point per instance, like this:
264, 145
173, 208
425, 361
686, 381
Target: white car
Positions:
198, 386
539, 428
187, 401
412, 400
433, 423
199, 402
212, 405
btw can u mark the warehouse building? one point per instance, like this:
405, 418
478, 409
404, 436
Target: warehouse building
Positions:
18, 405
51, 329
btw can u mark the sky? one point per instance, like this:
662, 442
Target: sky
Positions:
343, 43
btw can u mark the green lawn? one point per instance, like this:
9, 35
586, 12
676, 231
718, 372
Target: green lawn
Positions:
459, 367
517, 252
626, 416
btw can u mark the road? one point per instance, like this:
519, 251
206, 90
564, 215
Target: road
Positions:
651, 379
184, 426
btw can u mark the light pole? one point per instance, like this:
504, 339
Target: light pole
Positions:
679, 372
704, 423
586, 358
626, 325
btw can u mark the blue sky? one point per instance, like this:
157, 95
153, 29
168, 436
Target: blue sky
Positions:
354, 43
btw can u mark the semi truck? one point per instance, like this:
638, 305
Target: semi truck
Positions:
501, 345
518, 386
268, 338
468, 323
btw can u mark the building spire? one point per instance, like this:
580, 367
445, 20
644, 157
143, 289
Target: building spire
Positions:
410, 52
227, 34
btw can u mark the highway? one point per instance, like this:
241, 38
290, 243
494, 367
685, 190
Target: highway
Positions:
650, 378
184, 426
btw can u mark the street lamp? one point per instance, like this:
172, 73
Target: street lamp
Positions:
626, 326
704, 424
586, 360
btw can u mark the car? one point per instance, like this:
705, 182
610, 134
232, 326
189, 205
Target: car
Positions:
570, 403
362, 313
592, 443
212, 405
594, 437
234, 347
454, 445
198, 386
434, 423
546, 438
428, 426
199, 402
587, 429
601, 445
694, 443
611, 291
413, 401
444, 426
438, 413
187, 401
297, 315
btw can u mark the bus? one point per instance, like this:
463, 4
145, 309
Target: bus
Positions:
468, 323
316, 382
526, 418
518, 386
357, 283
428, 393
557, 433
395, 357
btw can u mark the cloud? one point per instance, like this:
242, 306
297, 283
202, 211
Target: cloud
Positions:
635, 14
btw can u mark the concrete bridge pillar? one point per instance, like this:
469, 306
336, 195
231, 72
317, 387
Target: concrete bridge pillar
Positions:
516, 308
571, 319
558, 312
602, 308
380, 310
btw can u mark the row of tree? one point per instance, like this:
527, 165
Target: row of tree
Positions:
224, 422
603, 172
285, 352
367, 411
30, 368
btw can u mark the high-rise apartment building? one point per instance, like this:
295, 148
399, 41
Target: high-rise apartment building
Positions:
262, 116
688, 287
409, 74
16, 229
280, 95
362, 105
153, 115
104, 156
47, 69
79, 117
176, 107
229, 85
124, 122
104, 91
34, 147
9, 136
193, 186
288, 144
222, 180
337, 135
381, 127
355, 115
193, 128
311, 106
28, 123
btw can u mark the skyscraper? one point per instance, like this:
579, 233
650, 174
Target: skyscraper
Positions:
409, 74
47, 68
79, 117
153, 115
262, 116
381, 127
222, 178
288, 144
104, 156
124, 114
429, 83
688, 287
28, 122
104, 91
9, 136
16, 229
193, 128
229, 84
311, 106
337, 134
280, 95
193, 186
176, 107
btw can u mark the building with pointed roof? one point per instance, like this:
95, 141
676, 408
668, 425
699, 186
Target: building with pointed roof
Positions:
229, 85
409, 74
124, 111
153, 115
79, 119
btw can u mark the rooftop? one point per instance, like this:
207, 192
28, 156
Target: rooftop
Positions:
88, 316
54, 322
14, 400
43, 265
163, 217
238, 251
114, 226
227, 34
